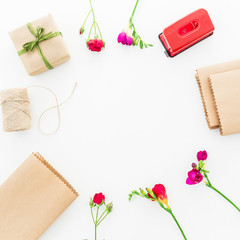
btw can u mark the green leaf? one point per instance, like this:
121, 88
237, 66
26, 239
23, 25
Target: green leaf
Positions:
141, 44
150, 45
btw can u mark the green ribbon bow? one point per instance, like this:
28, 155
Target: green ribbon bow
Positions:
40, 36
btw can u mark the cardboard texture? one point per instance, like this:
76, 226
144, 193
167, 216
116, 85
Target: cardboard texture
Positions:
205, 90
32, 198
226, 92
54, 49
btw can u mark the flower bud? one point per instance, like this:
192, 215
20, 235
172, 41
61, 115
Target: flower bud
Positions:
194, 165
151, 193
82, 30
142, 192
109, 207
202, 155
91, 203
135, 41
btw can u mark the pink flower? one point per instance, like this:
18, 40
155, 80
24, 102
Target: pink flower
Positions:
122, 38
202, 155
129, 40
194, 177
125, 39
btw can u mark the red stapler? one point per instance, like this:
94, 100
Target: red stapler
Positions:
186, 32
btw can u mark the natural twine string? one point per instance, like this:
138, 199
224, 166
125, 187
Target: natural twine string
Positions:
16, 109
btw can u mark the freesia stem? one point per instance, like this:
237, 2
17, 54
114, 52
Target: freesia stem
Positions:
177, 224
224, 197
134, 10
169, 210
208, 184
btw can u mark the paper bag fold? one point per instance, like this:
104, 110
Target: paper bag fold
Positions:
31, 199
202, 76
226, 93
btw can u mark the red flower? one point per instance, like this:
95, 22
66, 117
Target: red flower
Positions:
99, 198
95, 45
160, 192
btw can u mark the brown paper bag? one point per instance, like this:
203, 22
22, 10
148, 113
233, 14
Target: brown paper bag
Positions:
54, 49
31, 199
226, 93
206, 93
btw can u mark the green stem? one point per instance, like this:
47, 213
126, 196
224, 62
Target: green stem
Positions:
177, 224
102, 219
90, 32
94, 20
99, 30
92, 216
102, 215
96, 222
210, 186
134, 10
86, 17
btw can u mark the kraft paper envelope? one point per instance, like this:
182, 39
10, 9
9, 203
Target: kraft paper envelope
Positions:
31, 199
206, 93
226, 93
54, 49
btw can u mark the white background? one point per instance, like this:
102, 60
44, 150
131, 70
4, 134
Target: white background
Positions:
136, 119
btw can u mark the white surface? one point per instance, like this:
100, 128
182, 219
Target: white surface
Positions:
136, 119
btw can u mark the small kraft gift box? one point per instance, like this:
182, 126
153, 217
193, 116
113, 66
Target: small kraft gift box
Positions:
40, 45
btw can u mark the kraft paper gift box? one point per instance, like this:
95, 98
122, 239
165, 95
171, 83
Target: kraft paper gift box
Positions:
53, 49
31, 199
226, 94
205, 90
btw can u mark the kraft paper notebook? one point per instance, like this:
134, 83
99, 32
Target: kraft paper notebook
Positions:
32, 198
205, 90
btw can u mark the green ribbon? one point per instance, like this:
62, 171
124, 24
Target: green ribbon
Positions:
40, 37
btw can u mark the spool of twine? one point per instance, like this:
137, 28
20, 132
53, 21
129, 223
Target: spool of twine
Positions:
15, 109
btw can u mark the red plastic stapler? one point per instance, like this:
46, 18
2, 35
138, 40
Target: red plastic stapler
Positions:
186, 32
